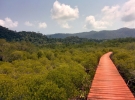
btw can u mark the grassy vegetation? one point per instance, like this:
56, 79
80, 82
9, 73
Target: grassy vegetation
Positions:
59, 70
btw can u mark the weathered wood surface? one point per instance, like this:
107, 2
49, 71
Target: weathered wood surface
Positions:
108, 83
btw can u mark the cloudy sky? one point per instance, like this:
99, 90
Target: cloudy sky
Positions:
66, 16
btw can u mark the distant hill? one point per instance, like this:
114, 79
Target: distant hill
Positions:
9, 35
38, 38
105, 34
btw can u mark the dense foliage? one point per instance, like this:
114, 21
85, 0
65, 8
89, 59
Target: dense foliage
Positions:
28, 72
38, 38
58, 69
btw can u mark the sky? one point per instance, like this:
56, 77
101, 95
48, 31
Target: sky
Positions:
66, 16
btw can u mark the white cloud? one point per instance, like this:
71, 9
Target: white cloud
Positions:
95, 24
63, 13
27, 23
8, 23
42, 25
128, 11
130, 24
2, 22
111, 13
64, 25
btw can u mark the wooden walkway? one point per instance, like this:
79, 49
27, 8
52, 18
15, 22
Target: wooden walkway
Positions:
108, 83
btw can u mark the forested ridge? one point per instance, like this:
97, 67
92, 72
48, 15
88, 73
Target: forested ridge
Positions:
104, 34
57, 69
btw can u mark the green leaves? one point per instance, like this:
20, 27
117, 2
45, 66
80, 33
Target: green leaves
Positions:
51, 91
45, 73
57, 71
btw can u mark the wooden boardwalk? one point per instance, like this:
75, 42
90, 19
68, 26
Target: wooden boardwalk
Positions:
108, 83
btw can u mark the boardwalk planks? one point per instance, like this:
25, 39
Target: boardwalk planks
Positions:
108, 83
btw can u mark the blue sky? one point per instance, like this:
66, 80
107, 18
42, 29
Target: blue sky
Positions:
66, 16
